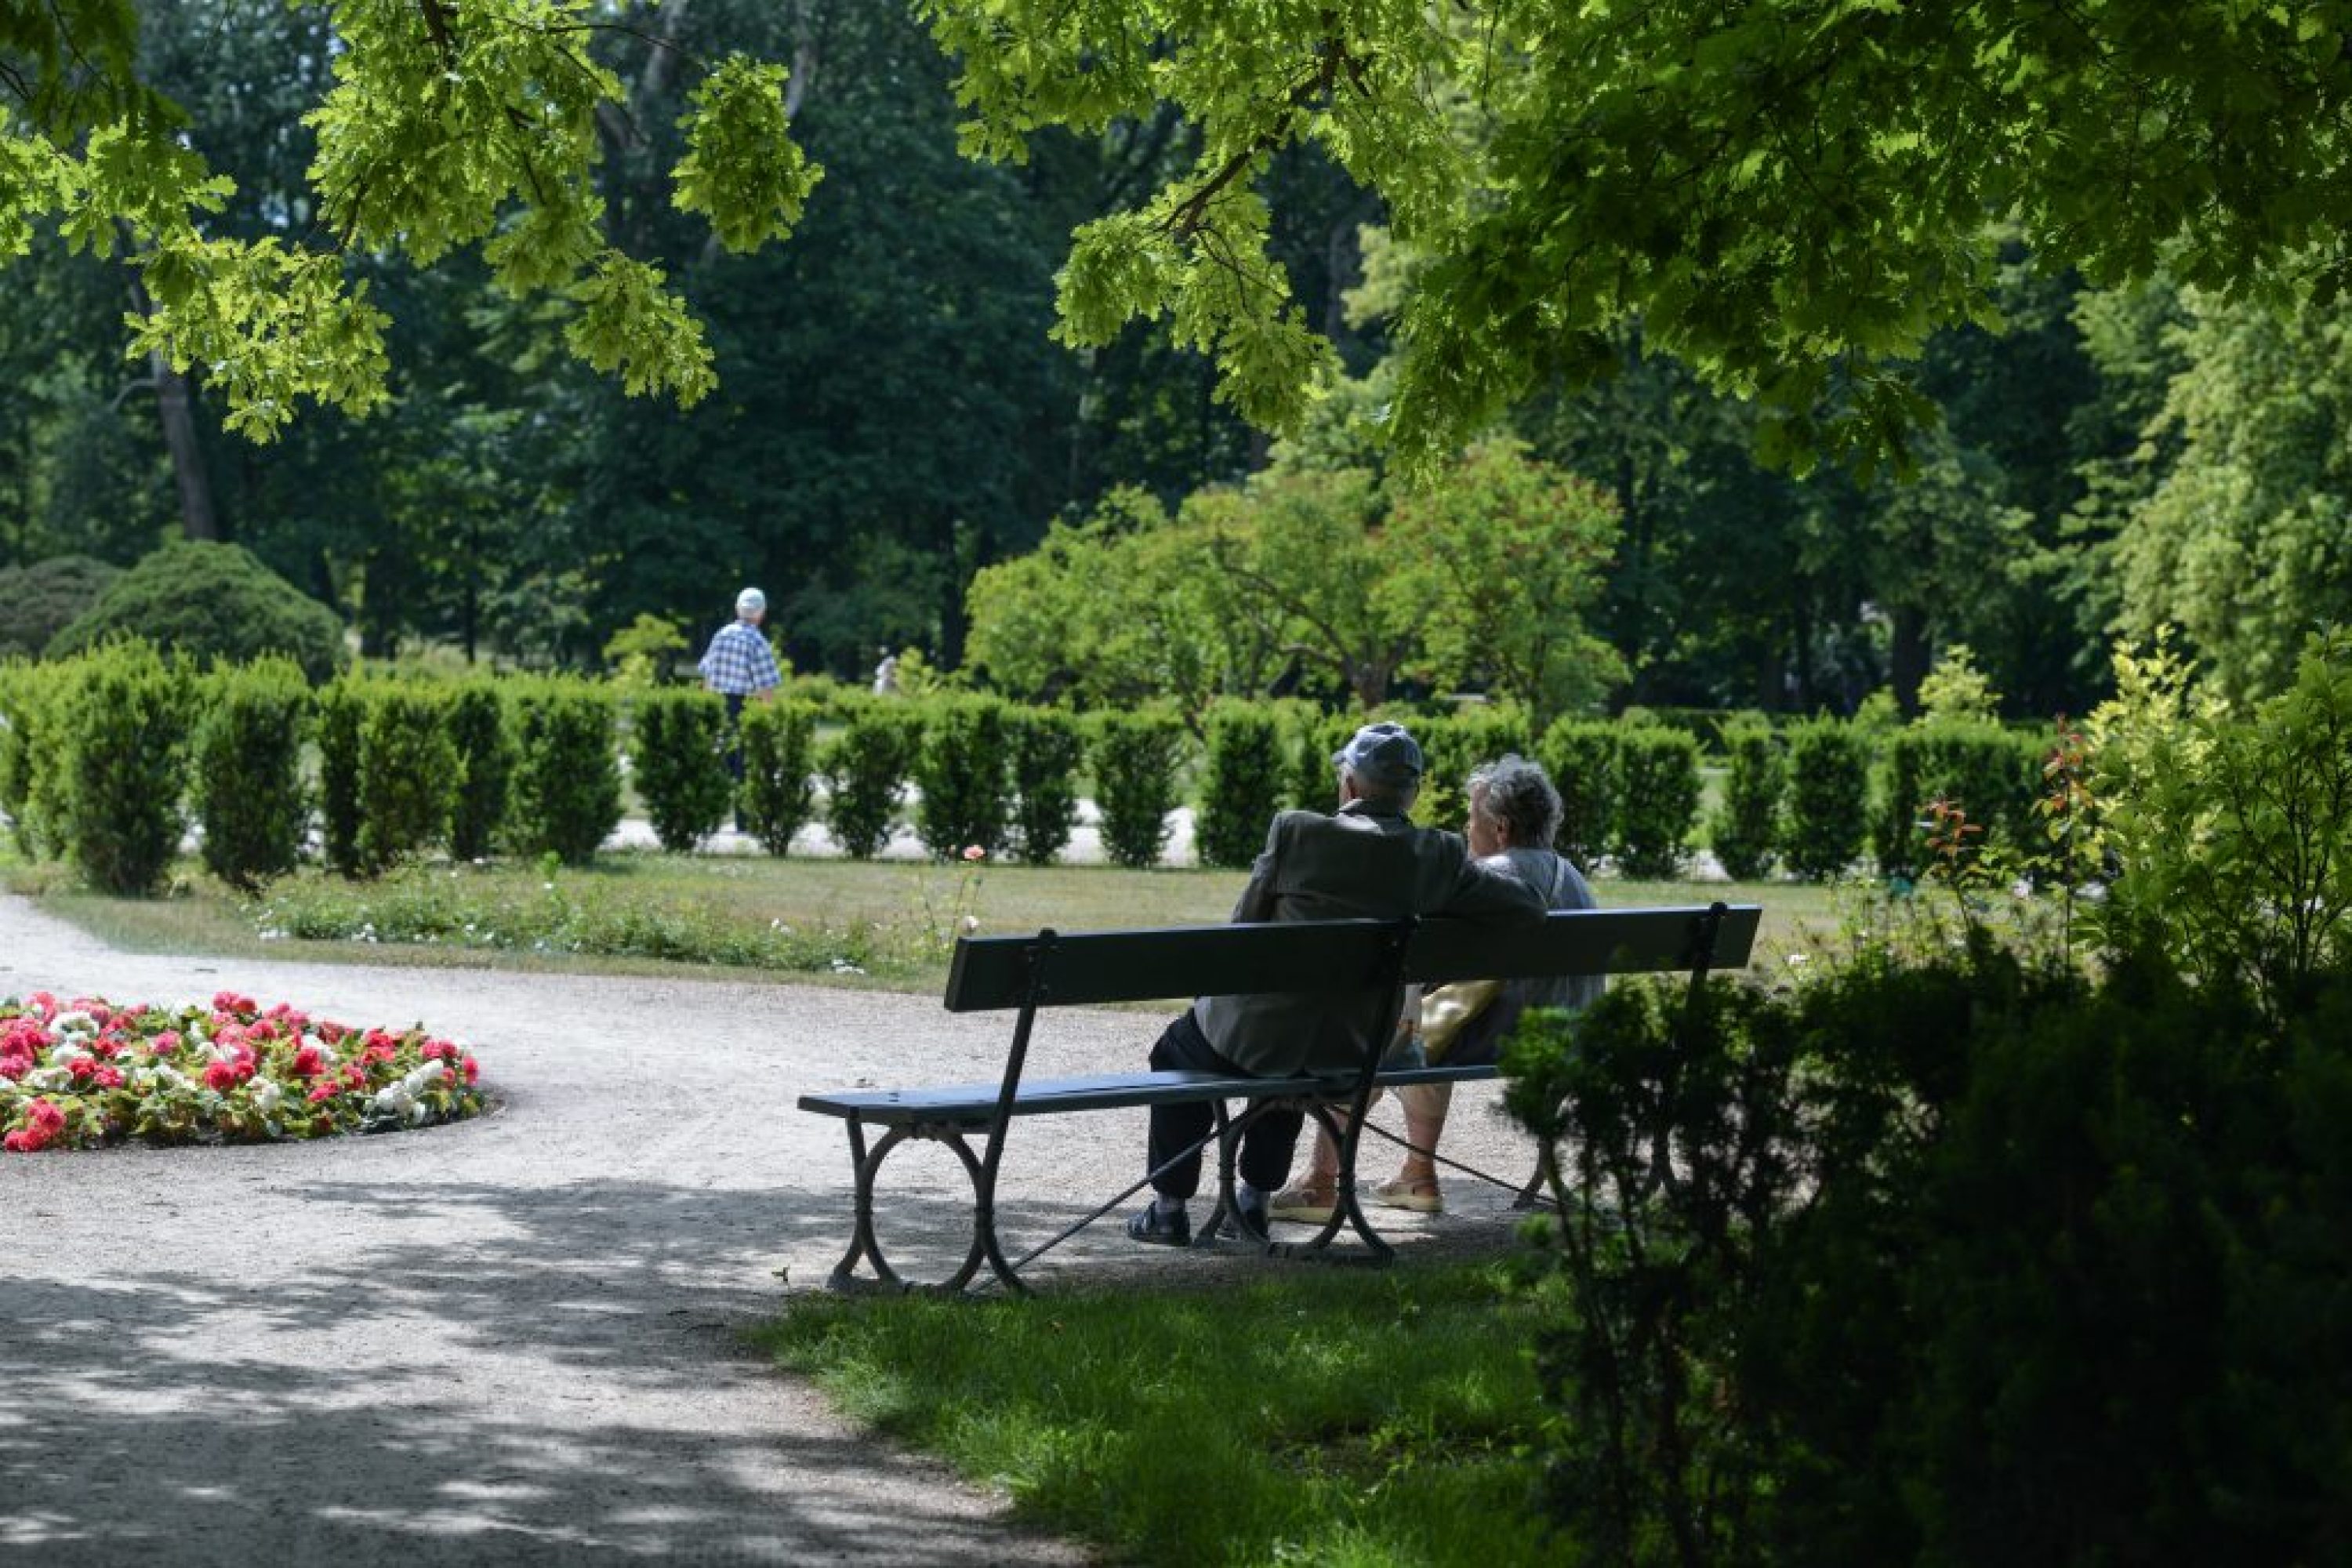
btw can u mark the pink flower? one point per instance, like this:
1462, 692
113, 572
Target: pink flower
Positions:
44, 1125
164, 1044
108, 1078
322, 1092
974, 852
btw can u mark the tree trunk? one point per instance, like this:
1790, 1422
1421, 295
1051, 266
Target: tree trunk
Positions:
1908, 659
175, 405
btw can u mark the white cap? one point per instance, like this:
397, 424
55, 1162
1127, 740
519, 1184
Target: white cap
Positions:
750, 602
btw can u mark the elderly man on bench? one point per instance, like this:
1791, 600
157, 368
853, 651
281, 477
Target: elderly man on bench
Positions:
1365, 860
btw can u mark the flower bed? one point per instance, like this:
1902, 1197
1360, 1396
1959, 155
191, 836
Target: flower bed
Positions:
81, 1073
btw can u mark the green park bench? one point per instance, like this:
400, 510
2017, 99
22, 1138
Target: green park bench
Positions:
1077, 969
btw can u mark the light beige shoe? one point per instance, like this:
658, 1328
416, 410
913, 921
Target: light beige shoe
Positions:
1301, 1206
1418, 1193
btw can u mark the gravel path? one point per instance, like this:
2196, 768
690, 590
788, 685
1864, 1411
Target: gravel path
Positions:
517, 1340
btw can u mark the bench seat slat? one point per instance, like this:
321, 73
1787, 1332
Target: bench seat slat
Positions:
976, 1102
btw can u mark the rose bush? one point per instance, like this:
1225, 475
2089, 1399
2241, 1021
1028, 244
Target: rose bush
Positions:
84, 1072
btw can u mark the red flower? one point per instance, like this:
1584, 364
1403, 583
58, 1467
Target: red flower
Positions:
473, 1069
109, 1078
221, 1075
323, 1091
309, 1062
82, 1067
44, 1125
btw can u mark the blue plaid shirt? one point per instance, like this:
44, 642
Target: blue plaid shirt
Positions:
739, 662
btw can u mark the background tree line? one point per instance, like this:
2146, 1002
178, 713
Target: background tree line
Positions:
893, 419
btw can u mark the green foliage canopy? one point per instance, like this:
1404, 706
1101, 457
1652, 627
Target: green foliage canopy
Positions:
1792, 195
445, 128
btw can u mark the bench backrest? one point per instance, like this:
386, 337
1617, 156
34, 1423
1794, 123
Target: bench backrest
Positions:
1088, 967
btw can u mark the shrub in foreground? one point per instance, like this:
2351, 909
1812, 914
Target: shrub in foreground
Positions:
1825, 817
1242, 783
1657, 787
866, 768
677, 760
248, 790
963, 777
1138, 760
778, 757
1808, 1240
1748, 827
476, 717
122, 724
567, 781
1046, 748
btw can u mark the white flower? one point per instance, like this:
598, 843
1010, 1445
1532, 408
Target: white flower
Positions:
2091, 892
326, 1052
49, 1079
2022, 889
394, 1099
423, 1077
76, 1023
1798, 958
265, 1095
418, 1115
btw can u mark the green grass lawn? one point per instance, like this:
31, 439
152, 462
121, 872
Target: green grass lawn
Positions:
1305, 1414
733, 915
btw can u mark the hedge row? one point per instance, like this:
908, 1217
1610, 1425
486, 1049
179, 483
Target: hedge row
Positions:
107, 759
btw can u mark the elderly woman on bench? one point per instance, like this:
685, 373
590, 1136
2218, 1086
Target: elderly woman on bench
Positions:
1514, 813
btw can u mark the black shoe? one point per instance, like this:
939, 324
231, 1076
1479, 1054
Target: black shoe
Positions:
1247, 1223
1161, 1229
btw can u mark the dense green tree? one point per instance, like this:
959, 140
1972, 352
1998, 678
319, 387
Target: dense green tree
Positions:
2246, 541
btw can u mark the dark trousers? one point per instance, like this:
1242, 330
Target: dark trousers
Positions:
1265, 1147
734, 736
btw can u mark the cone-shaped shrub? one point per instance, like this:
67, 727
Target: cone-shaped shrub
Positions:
864, 769
1658, 800
567, 782
1825, 817
1243, 783
31, 774
1581, 755
779, 755
1747, 826
961, 772
677, 760
1046, 749
482, 736
1137, 758
408, 773
123, 722
249, 793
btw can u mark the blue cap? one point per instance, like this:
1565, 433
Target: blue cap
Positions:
1383, 754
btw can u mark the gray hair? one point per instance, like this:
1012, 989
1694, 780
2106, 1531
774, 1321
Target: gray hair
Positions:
1400, 796
1517, 794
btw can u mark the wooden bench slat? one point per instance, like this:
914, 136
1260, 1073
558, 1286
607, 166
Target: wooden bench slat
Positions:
992, 973
1578, 941
1337, 956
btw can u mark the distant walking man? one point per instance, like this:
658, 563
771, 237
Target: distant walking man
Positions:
739, 664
